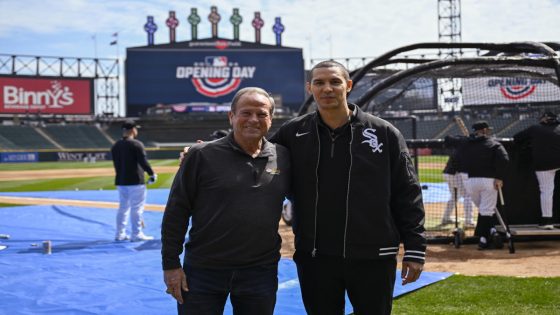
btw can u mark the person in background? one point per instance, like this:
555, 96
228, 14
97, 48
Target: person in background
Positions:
543, 140
130, 162
455, 183
484, 159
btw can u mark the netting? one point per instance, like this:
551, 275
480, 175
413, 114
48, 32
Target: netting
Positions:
508, 89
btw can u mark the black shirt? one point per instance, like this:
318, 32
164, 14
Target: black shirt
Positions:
334, 167
235, 202
482, 156
130, 162
544, 141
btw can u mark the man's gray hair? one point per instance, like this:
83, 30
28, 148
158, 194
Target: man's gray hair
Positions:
250, 90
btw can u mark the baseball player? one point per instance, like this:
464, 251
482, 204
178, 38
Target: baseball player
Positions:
484, 159
130, 162
455, 182
543, 140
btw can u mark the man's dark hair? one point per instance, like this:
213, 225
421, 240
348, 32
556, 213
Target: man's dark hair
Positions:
330, 64
255, 90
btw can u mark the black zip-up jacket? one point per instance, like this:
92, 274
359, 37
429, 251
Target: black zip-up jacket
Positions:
544, 141
130, 162
235, 202
384, 199
482, 156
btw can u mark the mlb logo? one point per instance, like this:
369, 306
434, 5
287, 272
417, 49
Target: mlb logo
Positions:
216, 61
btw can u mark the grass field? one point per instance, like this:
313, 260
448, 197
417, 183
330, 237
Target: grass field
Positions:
78, 183
427, 175
484, 295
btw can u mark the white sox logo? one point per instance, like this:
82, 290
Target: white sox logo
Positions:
372, 140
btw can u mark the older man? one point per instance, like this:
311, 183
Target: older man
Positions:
233, 189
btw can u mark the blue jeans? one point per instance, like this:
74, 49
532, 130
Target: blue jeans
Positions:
251, 290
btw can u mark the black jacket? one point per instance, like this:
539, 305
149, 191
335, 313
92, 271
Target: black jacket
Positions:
130, 162
384, 198
235, 202
544, 142
482, 156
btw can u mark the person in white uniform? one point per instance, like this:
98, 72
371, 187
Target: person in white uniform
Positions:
130, 162
543, 140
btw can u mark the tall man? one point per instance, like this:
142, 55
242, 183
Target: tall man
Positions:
484, 159
356, 197
130, 162
544, 142
233, 189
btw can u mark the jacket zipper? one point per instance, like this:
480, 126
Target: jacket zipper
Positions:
348, 191
314, 252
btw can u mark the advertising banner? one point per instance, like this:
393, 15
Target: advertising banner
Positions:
496, 90
160, 76
53, 95
18, 157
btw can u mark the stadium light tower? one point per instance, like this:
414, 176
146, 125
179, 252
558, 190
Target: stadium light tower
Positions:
449, 28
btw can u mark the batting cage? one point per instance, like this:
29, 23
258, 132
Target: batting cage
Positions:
428, 94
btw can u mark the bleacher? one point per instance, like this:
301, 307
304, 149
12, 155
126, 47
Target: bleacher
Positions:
78, 136
22, 138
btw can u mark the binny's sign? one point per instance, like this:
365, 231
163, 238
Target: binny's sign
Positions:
45, 95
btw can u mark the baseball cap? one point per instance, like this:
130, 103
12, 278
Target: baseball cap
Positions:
548, 115
481, 124
129, 124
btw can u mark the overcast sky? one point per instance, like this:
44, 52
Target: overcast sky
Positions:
323, 28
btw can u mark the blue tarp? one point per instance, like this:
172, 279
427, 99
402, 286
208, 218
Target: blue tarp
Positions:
88, 273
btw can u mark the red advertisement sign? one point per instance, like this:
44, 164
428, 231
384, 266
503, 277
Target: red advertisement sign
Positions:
46, 96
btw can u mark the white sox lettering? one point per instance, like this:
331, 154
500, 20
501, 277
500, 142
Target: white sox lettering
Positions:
372, 140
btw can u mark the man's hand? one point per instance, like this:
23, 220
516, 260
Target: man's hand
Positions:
498, 184
182, 154
152, 179
410, 271
185, 150
176, 282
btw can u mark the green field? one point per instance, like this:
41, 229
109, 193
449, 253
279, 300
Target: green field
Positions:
78, 183
427, 175
484, 295
70, 165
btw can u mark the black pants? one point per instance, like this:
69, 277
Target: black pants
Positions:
251, 290
325, 279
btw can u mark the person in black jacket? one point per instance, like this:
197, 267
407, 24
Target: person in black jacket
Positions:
544, 141
356, 197
484, 159
232, 189
130, 162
